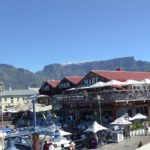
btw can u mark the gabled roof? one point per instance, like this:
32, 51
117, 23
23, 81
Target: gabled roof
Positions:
122, 75
74, 79
53, 83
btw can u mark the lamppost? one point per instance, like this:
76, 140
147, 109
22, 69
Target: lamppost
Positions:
35, 135
99, 107
34, 111
2, 124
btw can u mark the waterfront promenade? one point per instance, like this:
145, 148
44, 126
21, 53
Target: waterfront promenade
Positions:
127, 144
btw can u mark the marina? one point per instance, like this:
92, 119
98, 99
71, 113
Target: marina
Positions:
74, 75
90, 116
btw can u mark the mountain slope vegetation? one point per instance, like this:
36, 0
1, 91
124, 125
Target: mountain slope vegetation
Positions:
21, 78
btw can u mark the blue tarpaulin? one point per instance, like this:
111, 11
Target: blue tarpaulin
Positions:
7, 129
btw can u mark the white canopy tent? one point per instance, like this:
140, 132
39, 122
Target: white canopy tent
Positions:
97, 85
130, 119
59, 138
40, 108
95, 127
78, 88
121, 121
71, 89
126, 116
145, 81
130, 82
139, 116
29, 107
54, 131
114, 82
63, 133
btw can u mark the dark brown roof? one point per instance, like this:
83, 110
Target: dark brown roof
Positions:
122, 75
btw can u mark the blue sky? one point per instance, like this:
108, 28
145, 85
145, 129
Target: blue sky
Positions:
35, 33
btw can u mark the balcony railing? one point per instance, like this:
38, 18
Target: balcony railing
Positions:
106, 96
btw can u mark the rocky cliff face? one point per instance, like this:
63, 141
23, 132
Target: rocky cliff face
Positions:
21, 78
58, 71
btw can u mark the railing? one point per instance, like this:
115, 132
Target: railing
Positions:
106, 96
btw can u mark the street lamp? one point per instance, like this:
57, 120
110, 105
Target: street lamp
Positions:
99, 107
34, 112
35, 135
34, 98
2, 123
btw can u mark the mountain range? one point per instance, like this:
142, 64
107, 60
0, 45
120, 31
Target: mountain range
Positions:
17, 78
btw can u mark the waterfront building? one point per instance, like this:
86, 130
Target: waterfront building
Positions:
56, 88
48, 87
11, 98
103, 103
68, 82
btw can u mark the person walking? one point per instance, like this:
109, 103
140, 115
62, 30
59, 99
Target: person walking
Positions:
62, 147
140, 144
71, 147
146, 127
45, 146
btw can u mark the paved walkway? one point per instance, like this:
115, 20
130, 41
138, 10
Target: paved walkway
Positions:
127, 144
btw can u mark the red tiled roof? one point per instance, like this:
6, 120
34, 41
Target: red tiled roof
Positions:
53, 83
122, 75
74, 79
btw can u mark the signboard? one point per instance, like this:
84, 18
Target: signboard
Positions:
90, 81
64, 85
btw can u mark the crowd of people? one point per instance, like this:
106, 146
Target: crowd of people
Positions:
51, 146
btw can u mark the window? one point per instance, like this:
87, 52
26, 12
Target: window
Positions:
46, 88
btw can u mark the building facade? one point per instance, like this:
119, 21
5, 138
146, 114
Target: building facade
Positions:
11, 98
103, 103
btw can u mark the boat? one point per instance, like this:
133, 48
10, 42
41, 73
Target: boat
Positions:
22, 138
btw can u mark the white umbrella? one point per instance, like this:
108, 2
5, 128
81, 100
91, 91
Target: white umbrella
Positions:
145, 81
59, 138
29, 107
63, 133
130, 82
121, 121
95, 127
71, 89
139, 116
98, 84
114, 82
130, 118
40, 108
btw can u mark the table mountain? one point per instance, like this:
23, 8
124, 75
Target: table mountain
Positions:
22, 78
58, 71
